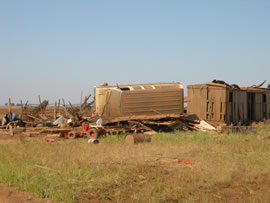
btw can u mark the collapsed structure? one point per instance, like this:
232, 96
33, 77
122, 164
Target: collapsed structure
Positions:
218, 102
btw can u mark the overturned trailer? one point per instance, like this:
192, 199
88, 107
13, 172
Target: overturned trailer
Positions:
223, 103
139, 100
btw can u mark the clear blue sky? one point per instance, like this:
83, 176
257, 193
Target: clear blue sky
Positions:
59, 48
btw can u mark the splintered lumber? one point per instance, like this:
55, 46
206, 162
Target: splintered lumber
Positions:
142, 125
192, 118
162, 122
145, 117
35, 118
204, 126
81, 102
65, 109
165, 123
34, 115
40, 108
84, 105
85, 100
9, 109
54, 111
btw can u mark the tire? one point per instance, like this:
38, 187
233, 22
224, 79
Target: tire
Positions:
92, 133
71, 135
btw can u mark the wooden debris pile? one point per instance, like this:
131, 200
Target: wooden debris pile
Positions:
155, 123
44, 115
78, 114
32, 116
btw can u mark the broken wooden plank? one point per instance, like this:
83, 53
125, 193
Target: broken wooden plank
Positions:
144, 117
165, 123
35, 118
9, 109
142, 125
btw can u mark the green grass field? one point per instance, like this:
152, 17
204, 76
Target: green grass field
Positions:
225, 168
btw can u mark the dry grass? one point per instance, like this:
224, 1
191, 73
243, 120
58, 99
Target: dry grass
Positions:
228, 168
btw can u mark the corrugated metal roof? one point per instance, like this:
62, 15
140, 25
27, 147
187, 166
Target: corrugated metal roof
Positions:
144, 86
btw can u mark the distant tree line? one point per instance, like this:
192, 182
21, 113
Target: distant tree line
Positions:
13, 104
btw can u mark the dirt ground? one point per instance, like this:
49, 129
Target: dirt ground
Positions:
18, 110
4, 110
12, 195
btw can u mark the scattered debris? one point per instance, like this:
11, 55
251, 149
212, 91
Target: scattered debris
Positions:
50, 140
94, 141
204, 126
179, 161
14, 131
59, 121
260, 85
187, 162
242, 129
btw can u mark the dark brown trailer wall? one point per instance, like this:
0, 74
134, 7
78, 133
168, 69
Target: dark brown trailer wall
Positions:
207, 101
258, 103
217, 103
268, 105
259, 112
197, 100
236, 106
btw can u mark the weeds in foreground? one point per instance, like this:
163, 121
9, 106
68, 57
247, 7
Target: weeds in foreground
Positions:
226, 168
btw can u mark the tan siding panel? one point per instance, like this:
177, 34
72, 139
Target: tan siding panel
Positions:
152, 101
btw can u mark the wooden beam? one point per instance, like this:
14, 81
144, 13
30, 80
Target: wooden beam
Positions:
81, 102
54, 112
9, 109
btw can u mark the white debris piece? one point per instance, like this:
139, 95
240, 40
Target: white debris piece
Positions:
204, 126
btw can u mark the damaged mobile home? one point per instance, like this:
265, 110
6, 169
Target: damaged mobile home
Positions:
139, 100
218, 102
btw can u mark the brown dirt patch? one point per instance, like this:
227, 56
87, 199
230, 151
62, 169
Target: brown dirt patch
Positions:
4, 110
11, 195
